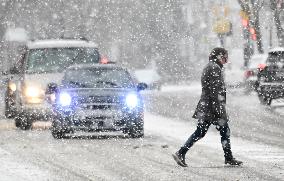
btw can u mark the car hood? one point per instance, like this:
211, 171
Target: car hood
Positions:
42, 80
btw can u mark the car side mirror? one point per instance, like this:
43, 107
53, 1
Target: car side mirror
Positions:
14, 70
52, 88
50, 92
141, 86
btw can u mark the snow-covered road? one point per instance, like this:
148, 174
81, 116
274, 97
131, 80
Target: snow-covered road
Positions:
257, 139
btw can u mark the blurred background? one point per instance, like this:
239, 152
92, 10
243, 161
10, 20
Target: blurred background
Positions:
174, 35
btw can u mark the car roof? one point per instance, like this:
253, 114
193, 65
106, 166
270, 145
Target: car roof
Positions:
260, 56
257, 59
276, 49
60, 43
95, 66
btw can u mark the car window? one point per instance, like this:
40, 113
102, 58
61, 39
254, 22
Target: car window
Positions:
58, 59
98, 78
256, 60
275, 57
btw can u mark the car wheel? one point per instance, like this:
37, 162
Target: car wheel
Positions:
255, 86
59, 128
57, 134
56, 130
23, 122
265, 100
9, 113
136, 128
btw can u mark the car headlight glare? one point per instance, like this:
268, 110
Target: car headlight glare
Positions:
33, 92
12, 86
132, 100
52, 98
65, 99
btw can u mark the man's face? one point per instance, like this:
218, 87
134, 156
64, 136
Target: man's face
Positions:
224, 59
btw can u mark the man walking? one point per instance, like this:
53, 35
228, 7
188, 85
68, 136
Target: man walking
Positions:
211, 108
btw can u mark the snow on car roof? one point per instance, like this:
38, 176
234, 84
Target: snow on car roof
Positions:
57, 43
257, 59
83, 66
276, 49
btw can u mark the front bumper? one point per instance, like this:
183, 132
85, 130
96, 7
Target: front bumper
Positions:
273, 90
42, 111
97, 120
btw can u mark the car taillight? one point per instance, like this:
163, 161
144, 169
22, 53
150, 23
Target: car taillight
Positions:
261, 66
104, 60
249, 73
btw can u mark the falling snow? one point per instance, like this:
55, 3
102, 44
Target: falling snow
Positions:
106, 90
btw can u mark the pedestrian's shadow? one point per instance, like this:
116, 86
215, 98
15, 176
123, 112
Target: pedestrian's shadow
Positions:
224, 166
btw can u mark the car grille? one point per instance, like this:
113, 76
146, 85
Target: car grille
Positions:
99, 103
98, 107
99, 100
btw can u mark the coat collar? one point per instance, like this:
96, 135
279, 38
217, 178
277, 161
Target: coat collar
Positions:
217, 62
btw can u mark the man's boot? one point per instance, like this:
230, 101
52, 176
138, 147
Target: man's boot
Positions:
233, 161
180, 159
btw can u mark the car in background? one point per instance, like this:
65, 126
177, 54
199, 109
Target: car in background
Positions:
149, 76
43, 62
271, 77
256, 63
97, 98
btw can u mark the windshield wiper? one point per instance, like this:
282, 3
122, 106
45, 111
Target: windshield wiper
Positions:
108, 82
78, 83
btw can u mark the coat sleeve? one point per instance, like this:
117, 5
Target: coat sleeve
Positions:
216, 83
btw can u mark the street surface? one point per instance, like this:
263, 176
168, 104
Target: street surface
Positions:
256, 135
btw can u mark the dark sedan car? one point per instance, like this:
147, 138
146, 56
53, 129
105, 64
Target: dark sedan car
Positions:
97, 98
271, 78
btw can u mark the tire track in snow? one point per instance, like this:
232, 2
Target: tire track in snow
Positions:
253, 154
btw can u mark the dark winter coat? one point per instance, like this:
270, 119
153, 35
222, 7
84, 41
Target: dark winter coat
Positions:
211, 105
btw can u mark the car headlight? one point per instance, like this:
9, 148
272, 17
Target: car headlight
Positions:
34, 95
132, 100
33, 92
12, 86
65, 99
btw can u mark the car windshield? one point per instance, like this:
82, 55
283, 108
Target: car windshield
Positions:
98, 78
256, 60
58, 59
275, 58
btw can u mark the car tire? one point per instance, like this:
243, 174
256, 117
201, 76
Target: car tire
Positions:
265, 100
255, 86
57, 134
58, 130
9, 113
23, 122
136, 128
